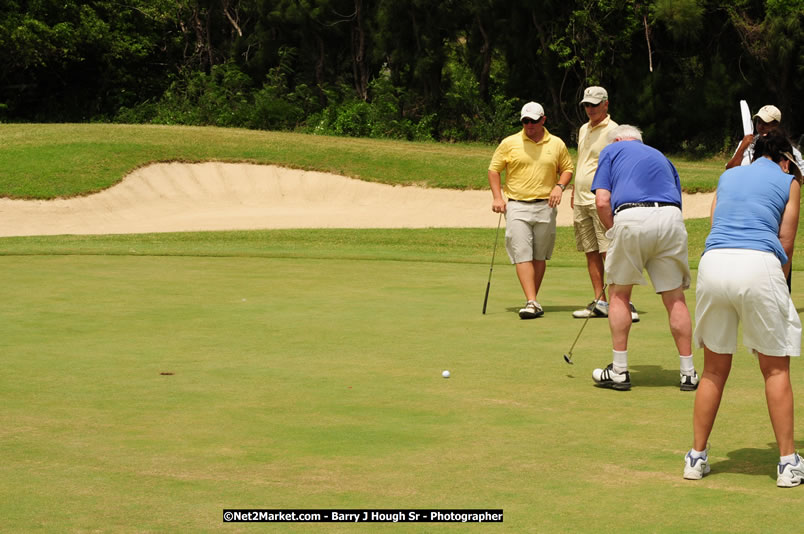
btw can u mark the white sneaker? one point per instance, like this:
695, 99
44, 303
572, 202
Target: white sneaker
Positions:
531, 310
609, 378
790, 475
596, 308
696, 468
634, 314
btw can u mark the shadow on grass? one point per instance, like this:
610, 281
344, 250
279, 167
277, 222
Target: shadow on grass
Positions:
555, 309
563, 309
654, 375
547, 309
650, 376
750, 461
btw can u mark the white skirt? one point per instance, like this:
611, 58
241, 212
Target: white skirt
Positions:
748, 286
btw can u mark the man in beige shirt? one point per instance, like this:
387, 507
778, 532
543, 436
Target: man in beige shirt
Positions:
590, 234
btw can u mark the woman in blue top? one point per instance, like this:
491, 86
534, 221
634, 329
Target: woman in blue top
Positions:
741, 277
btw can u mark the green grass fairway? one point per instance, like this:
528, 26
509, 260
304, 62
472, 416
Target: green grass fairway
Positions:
316, 383
150, 381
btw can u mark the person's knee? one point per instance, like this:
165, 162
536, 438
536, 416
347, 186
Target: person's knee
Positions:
774, 366
674, 299
718, 376
594, 256
620, 292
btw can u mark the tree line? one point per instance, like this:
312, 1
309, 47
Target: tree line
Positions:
449, 70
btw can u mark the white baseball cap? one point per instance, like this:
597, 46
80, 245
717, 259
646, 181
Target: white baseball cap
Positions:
594, 95
769, 114
532, 110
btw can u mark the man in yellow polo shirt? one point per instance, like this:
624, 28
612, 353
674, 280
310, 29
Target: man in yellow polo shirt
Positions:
537, 168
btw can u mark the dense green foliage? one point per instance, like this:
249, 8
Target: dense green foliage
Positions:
406, 69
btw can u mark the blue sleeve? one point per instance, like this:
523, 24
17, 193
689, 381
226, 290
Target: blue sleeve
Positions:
602, 179
677, 179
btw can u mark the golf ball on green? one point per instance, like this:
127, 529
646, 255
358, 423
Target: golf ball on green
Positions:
445, 374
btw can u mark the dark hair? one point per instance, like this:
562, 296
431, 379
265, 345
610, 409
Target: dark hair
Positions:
773, 145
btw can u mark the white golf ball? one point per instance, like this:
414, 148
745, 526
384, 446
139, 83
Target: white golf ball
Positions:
445, 374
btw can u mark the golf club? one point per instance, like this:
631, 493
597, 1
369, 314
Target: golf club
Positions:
568, 356
745, 115
488, 284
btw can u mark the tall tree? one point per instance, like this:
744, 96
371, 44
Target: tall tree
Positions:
411, 35
775, 40
485, 27
534, 70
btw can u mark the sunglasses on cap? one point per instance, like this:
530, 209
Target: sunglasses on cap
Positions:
528, 120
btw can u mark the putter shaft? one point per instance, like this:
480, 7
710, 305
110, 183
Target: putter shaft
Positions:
568, 356
491, 268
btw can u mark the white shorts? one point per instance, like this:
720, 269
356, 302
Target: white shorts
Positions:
530, 231
748, 286
653, 239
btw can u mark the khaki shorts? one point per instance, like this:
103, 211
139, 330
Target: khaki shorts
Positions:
654, 239
748, 286
530, 231
590, 234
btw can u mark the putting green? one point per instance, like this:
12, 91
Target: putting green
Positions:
317, 384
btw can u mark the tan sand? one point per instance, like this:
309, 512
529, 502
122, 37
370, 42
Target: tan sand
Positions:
178, 197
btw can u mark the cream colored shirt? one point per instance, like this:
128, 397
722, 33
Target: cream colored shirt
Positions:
531, 169
590, 142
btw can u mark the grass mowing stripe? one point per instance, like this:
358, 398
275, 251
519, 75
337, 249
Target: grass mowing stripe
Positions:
447, 245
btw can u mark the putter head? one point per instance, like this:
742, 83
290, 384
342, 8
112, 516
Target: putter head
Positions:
567, 359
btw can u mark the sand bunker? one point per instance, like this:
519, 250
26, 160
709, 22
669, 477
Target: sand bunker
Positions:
179, 197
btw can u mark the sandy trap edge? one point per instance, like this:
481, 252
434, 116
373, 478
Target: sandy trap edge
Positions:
180, 197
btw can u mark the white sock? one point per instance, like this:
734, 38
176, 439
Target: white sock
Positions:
697, 454
620, 360
687, 367
789, 459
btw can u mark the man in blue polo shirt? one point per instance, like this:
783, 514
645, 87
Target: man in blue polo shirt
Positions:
638, 197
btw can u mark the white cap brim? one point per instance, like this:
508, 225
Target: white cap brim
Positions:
592, 100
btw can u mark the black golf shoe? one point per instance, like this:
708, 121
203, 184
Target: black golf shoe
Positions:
689, 382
